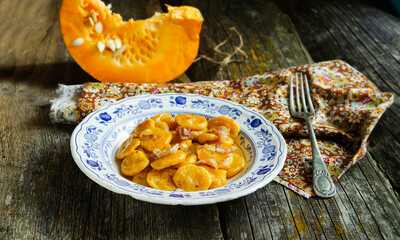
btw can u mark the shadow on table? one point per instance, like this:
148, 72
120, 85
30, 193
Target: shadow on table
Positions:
46, 76
67, 203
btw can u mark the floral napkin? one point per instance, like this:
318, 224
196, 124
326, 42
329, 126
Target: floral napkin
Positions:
347, 107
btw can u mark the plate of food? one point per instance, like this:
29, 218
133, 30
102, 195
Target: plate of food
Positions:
178, 149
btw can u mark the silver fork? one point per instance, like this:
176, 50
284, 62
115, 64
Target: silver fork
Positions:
322, 181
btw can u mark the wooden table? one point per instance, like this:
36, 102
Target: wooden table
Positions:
43, 194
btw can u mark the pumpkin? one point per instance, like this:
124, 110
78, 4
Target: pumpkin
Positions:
154, 50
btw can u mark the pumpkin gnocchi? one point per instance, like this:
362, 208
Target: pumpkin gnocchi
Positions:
162, 179
127, 147
134, 163
186, 152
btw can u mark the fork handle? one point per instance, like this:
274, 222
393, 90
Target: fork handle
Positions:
322, 181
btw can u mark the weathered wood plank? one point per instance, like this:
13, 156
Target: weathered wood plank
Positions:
304, 217
367, 222
379, 202
332, 31
350, 226
234, 220
270, 213
273, 46
367, 38
44, 194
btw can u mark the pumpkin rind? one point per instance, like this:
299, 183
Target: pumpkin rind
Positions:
155, 50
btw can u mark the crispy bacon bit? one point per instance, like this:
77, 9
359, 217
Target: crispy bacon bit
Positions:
148, 136
184, 133
219, 149
210, 162
166, 128
162, 153
159, 153
222, 132
175, 148
209, 147
229, 150
184, 149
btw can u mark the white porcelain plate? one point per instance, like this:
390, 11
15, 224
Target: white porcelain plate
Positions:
95, 140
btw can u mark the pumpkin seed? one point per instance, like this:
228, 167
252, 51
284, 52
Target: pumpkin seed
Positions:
91, 21
77, 42
111, 45
94, 16
101, 46
120, 51
99, 27
118, 43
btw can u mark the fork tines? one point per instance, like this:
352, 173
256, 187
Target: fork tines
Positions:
301, 106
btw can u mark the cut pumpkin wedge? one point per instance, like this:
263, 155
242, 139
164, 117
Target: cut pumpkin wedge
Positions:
154, 50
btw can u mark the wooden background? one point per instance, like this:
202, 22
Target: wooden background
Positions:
43, 194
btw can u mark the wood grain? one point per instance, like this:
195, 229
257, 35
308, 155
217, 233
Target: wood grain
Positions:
44, 195
367, 38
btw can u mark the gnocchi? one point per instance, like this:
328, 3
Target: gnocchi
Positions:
169, 160
155, 138
162, 179
191, 121
127, 147
134, 163
192, 178
186, 152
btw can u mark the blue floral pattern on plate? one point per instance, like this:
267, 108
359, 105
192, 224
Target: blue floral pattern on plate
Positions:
95, 140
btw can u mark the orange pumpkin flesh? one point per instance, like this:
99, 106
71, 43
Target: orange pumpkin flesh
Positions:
155, 50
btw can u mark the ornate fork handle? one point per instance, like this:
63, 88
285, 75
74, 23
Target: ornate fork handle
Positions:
322, 181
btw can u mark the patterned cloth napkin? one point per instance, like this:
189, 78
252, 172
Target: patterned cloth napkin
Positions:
347, 107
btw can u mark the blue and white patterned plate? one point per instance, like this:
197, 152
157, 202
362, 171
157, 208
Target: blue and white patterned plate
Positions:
95, 140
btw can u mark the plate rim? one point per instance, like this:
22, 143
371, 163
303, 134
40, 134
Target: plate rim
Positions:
175, 201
